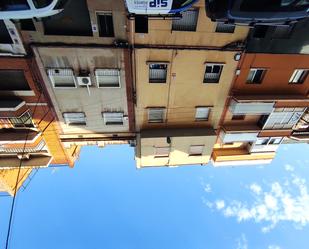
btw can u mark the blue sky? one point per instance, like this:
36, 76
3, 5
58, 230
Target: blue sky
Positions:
105, 202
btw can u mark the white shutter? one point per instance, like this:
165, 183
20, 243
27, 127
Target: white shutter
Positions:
74, 118
162, 151
202, 113
196, 150
113, 118
156, 115
251, 108
107, 77
62, 77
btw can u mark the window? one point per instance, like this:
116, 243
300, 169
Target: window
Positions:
282, 119
74, 118
256, 76
238, 117
113, 118
196, 150
299, 76
212, 73
141, 24
9, 5
62, 77
268, 141
41, 3
156, 115
260, 31
108, 77
225, 28
5, 37
74, 20
157, 72
202, 113
106, 26
262, 141
282, 32
13, 80
187, 22
162, 151
27, 24
276, 140
25, 120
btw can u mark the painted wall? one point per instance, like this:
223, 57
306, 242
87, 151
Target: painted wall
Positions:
78, 99
184, 88
160, 32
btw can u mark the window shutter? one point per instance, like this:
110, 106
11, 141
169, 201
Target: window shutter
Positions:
62, 77
156, 115
157, 73
202, 113
196, 150
188, 21
113, 118
162, 151
74, 118
225, 28
107, 77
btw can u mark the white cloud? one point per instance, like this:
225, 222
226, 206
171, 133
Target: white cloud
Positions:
272, 206
255, 188
207, 188
220, 204
274, 247
242, 242
289, 167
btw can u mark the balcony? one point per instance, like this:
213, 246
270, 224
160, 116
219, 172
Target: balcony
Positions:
22, 121
11, 136
240, 156
251, 108
33, 161
38, 146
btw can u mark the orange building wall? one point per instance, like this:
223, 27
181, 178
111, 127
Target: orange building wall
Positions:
41, 110
276, 80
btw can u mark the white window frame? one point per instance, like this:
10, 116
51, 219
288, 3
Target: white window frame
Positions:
192, 152
107, 122
267, 141
163, 109
67, 118
201, 109
65, 70
297, 75
250, 81
153, 81
98, 70
212, 65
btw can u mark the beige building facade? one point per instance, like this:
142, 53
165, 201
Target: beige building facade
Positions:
88, 89
183, 70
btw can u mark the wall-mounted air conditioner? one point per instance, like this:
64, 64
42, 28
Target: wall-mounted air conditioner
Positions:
83, 80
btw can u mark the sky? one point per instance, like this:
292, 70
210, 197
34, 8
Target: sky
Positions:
105, 202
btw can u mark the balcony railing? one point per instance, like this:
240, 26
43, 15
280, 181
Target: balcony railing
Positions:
24, 120
40, 147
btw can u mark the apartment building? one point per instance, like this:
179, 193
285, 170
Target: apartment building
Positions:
183, 69
268, 98
28, 131
81, 22
83, 57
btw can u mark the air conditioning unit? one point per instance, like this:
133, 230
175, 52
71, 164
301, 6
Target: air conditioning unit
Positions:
83, 80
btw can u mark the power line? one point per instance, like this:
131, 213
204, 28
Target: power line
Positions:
16, 184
